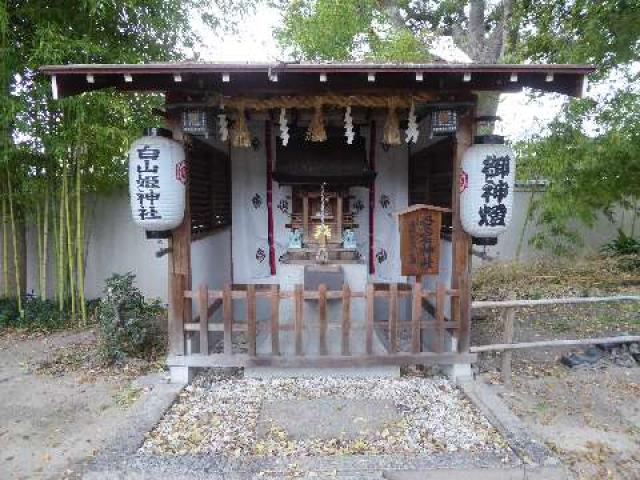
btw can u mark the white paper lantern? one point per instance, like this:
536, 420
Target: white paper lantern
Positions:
487, 181
157, 179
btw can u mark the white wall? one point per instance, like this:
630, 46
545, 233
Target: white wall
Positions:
211, 260
117, 245
507, 248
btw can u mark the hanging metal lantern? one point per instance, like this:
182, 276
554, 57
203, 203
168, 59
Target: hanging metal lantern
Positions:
444, 122
487, 179
196, 122
157, 179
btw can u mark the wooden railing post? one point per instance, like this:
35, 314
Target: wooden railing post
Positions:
508, 315
203, 304
346, 319
393, 318
275, 318
251, 319
227, 319
464, 301
322, 314
416, 317
441, 292
369, 320
298, 300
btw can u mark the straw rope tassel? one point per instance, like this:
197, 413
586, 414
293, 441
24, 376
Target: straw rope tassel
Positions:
240, 136
316, 131
392, 126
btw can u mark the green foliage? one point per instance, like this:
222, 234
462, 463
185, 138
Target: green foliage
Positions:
623, 245
601, 32
128, 324
344, 29
39, 315
588, 174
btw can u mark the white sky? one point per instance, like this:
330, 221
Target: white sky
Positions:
521, 116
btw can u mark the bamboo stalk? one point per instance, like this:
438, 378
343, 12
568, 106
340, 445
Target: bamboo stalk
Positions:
45, 242
80, 244
16, 263
39, 246
59, 235
5, 249
69, 245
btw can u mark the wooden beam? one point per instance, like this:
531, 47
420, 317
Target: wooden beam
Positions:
203, 304
370, 298
298, 320
346, 319
498, 347
356, 361
227, 319
416, 317
322, 316
461, 240
179, 263
507, 337
440, 299
553, 301
275, 319
393, 318
251, 319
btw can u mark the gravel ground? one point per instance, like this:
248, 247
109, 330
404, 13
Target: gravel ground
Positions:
218, 414
589, 417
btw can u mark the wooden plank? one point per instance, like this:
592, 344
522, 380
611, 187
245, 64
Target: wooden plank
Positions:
339, 216
498, 347
285, 361
420, 241
441, 290
507, 337
416, 317
464, 302
553, 301
322, 318
275, 319
346, 319
306, 234
298, 320
251, 319
393, 318
177, 285
227, 319
369, 320
203, 304
460, 240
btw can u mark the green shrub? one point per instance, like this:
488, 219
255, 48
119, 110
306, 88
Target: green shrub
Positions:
39, 315
128, 324
9, 315
623, 245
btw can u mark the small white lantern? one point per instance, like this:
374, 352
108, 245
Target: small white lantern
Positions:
487, 180
157, 179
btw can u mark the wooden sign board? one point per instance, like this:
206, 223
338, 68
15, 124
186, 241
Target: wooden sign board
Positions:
420, 239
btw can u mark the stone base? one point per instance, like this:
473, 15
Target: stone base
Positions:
458, 372
182, 375
360, 372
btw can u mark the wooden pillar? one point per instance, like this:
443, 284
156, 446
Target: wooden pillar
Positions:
461, 240
305, 218
179, 266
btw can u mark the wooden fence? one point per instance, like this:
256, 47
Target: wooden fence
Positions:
509, 308
210, 301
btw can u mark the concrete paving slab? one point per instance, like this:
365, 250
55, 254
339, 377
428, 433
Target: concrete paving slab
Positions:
326, 418
515, 473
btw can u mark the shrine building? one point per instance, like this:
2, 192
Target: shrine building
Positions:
345, 197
